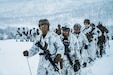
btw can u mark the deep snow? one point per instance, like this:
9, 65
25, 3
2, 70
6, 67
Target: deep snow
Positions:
12, 61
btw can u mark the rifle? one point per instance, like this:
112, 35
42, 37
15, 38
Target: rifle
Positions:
47, 55
66, 44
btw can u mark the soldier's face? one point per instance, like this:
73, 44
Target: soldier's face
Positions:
86, 23
65, 33
44, 27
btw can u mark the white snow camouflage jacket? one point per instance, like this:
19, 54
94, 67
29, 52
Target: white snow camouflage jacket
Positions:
55, 46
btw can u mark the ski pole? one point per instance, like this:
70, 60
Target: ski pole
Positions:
109, 48
29, 66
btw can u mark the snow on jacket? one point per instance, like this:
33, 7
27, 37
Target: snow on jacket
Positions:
96, 33
86, 29
55, 46
73, 44
82, 40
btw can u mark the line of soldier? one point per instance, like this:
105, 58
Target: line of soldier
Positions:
25, 34
98, 35
92, 40
68, 51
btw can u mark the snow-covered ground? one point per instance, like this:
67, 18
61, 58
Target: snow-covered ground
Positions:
12, 61
104, 66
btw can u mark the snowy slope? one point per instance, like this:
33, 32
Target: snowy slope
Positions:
12, 62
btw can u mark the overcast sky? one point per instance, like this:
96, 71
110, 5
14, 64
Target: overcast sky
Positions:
92, 9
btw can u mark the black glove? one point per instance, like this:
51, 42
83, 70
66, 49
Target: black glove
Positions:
86, 47
26, 53
77, 66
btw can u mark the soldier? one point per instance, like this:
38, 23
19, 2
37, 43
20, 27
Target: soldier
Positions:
49, 47
24, 34
88, 31
70, 45
37, 31
33, 34
18, 34
95, 33
83, 44
102, 39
